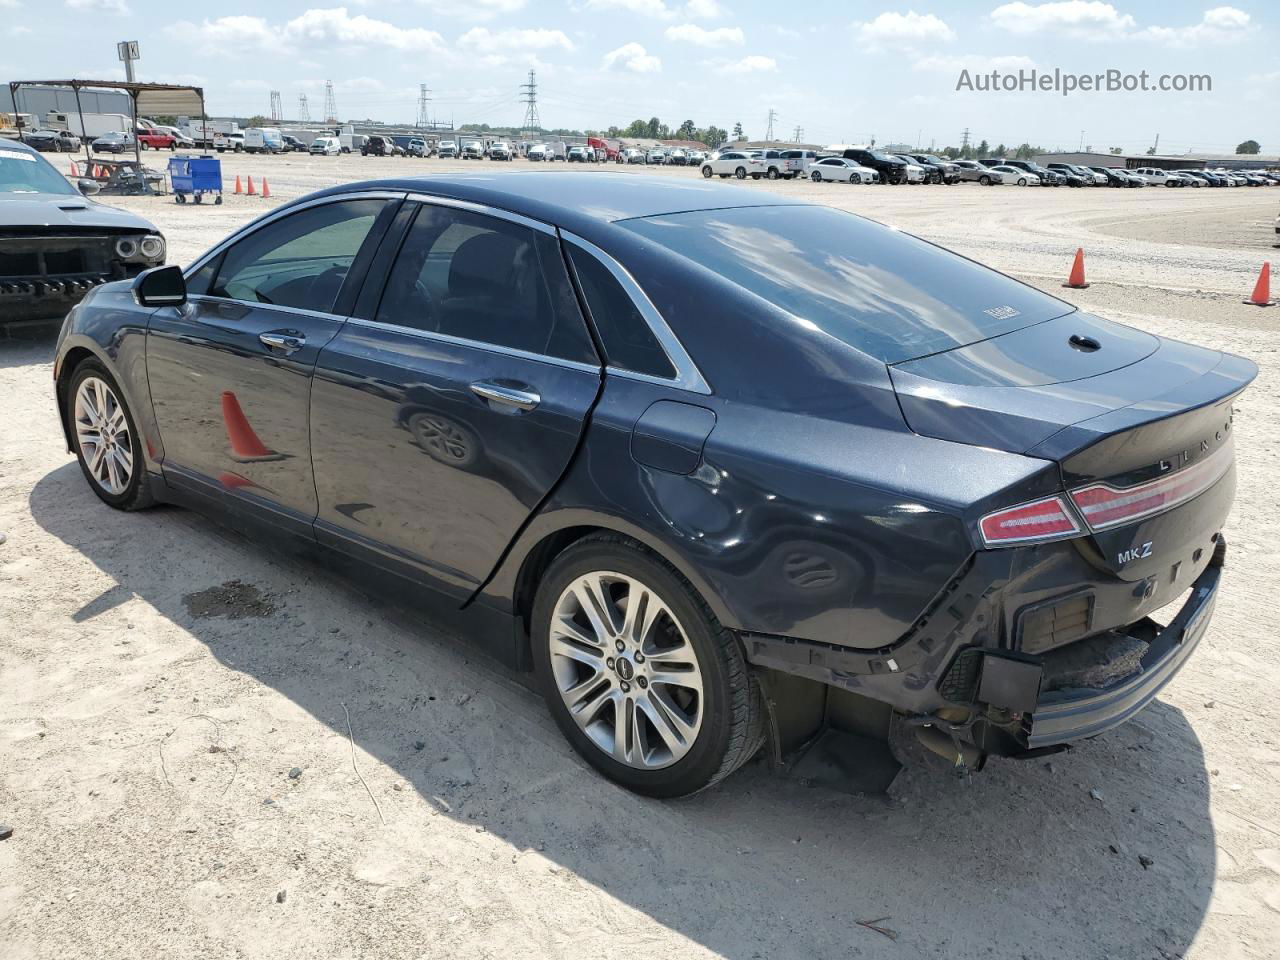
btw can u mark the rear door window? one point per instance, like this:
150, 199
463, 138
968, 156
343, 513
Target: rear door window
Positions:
628, 342
888, 294
487, 279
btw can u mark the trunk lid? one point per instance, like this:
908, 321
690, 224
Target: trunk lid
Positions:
1115, 408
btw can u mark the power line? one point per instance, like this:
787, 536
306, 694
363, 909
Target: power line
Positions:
531, 119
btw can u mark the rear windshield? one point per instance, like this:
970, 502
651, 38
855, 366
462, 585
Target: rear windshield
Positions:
24, 172
885, 293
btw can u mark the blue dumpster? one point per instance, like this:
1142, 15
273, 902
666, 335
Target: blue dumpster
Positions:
194, 177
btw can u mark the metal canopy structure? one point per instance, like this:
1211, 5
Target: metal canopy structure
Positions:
148, 98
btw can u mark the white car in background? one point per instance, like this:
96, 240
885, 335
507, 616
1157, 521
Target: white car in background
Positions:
1155, 176
915, 172
325, 147
840, 170
1019, 177
655, 156
696, 157
539, 151
734, 163
632, 155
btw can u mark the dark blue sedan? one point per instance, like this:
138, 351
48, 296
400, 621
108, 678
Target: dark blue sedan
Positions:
721, 469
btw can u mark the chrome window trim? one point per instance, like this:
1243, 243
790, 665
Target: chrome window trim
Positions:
478, 344
278, 307
688, 376
483, 210
255, 225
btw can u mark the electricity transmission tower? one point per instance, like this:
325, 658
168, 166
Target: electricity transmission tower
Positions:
530, 96
277, 109
799, 133
773, 115
330, 103
964, 139
304, 112
423, 100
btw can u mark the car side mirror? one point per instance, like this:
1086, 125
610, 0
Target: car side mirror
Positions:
88, 187
161, 287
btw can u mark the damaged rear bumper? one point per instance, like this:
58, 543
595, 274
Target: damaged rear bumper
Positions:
1074, 714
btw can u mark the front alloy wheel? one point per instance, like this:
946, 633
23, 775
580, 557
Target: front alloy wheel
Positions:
639, 675
107, 442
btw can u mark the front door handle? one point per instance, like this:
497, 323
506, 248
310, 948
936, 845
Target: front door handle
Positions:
285, 343
520, 397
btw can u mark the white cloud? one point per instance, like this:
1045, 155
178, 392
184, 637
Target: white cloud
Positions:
703, 9
892, 29
1219, 25
751, 64
693, 9
337, 26
702, 37
633, 57
1082, 19
333, 26
106, 6
481, 38
9, 4
470, 9
974, 63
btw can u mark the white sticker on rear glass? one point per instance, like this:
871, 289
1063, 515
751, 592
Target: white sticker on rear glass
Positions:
15, 155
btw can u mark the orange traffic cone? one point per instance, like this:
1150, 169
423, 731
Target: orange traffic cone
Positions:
251, 192
1262, 289
237, 190
1076, 280
245, 444
73, 169
266, 190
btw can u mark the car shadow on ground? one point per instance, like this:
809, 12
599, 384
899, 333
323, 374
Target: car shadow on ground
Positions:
1104, 851
28, 343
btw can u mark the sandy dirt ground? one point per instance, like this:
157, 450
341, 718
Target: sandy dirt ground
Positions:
211, 750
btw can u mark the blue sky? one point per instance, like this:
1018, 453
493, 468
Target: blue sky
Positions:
840, 71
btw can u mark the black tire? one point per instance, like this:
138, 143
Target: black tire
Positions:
137, 493
706, 172
733, 723
740, 173
984, 180
815, 176
773, 173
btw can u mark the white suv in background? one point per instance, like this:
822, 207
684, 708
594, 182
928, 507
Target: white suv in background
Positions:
734, 163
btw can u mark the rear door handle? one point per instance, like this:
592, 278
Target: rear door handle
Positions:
521, 397
285, 343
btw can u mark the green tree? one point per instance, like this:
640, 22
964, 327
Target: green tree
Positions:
1000, 151
654, 128
1249, 146
258, 120
713, 136
638, 128
737, 131
687, 131
1117, 151
984, 149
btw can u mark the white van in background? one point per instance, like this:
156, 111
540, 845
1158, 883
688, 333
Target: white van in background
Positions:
263, 140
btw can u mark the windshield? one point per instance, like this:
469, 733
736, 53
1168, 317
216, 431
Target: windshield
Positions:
888, 294
22, 172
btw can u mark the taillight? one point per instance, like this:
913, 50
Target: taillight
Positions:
1104, 506
1040, 520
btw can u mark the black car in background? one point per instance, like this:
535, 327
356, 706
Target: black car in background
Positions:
51, 141
292, 144
1115, 178
891, 169
709, 504
56, 244
932, 172
947, 172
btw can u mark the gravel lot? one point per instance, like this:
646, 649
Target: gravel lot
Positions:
178, 758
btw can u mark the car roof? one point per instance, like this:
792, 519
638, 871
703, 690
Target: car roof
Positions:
574, 200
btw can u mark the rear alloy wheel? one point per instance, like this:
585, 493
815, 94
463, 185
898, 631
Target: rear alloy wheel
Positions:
639, 675
815, 176
740, 173
106, 439
984, 180
706, 172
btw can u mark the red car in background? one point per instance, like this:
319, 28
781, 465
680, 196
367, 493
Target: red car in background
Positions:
155, 140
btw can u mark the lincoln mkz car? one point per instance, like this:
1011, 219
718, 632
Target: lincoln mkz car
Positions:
719, 468
56, 244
